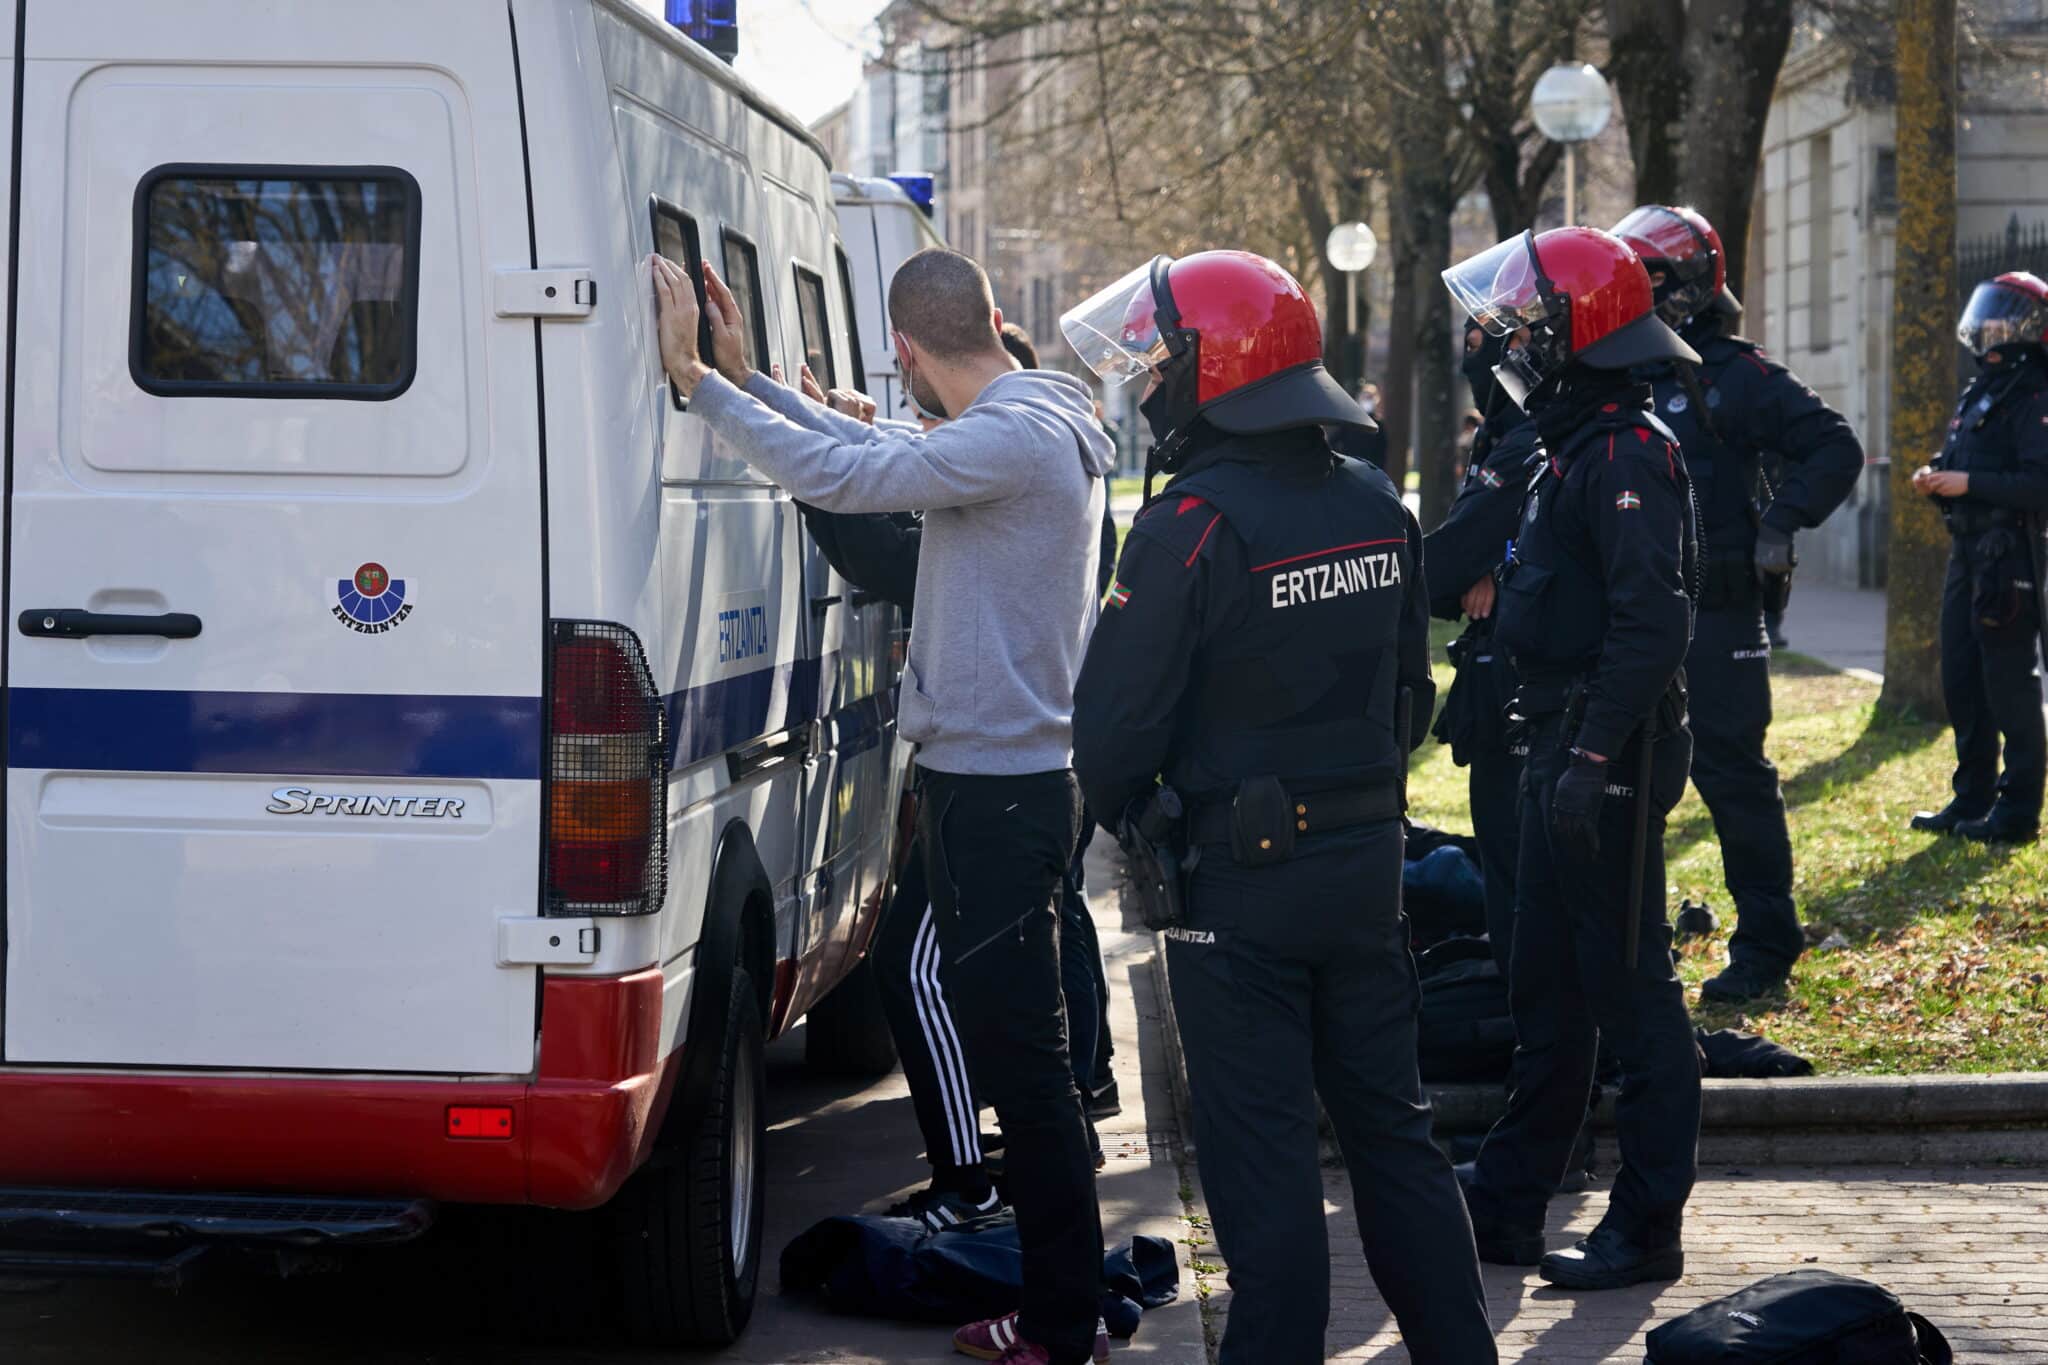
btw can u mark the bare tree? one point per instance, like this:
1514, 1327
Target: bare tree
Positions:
1696, 79
1923, 373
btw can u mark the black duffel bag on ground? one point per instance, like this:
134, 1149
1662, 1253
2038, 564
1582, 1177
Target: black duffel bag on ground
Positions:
1803, 1317
1466, 1032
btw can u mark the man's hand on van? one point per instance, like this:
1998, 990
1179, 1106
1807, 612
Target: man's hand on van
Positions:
677, 327
728, 330
846, 402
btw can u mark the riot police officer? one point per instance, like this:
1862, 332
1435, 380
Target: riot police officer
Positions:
1267, 616
1991, 483
1463, 555
1595, 612
1736, 415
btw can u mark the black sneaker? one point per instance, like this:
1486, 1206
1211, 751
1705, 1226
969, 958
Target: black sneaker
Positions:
1610, 1260
940, 1210
2008, 823
1740, 982
1947, 819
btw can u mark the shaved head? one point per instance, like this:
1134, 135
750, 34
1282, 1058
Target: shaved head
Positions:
940, 299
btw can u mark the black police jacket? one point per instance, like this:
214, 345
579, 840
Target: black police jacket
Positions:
1268, 605
1473, 538
1597, 590
1469, 546
1999, 437
1755, 409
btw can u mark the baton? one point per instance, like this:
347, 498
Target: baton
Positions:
1632, 927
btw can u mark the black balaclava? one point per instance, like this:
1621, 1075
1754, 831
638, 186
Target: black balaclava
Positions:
1579, 397
1477, 367
1170, 410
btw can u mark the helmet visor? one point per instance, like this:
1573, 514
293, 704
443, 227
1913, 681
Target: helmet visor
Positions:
1116, 332
1999, 315
1501, 288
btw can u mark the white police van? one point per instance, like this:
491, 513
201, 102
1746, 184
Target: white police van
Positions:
434, 764
882, 227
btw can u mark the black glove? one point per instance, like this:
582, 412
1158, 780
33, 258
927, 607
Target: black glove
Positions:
1774, 557
1575, 807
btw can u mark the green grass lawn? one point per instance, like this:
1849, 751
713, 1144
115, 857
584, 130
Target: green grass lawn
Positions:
1928, 954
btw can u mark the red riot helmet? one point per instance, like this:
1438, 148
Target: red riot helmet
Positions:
1571, 296
1683, 245
1234, 338
2011, 310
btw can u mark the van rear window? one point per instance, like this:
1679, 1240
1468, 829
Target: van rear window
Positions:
276, 282
810, 311
743, 276
675, 236
860, 369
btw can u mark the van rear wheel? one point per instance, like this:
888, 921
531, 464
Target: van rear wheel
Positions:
847, 1033
688, 1224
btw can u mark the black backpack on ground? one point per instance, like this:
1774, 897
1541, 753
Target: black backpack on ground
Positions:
1466, 1033
1803, 1317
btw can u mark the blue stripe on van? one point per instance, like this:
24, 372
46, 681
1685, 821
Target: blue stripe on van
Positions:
347, 734
341, 734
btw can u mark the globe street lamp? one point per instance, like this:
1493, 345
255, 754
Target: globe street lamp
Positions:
1351, 248
1571, 104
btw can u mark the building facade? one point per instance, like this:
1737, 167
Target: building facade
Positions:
1822, 235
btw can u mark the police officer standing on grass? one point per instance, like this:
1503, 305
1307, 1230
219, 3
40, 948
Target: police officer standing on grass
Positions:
1595, 612
1267, 617
1733, 415
1464, 555
1991, 483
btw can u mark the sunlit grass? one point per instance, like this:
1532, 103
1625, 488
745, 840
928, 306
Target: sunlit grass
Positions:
1928, 954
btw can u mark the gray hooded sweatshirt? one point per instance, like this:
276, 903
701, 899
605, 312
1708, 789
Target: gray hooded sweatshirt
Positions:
1012, 494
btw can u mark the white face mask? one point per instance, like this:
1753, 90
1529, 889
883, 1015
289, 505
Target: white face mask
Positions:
910, 385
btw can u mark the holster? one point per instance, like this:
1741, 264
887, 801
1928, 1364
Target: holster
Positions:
1153, 838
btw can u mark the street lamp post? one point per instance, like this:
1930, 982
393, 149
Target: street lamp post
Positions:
1351, 248
1571, 104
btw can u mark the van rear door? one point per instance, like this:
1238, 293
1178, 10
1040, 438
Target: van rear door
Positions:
275, 582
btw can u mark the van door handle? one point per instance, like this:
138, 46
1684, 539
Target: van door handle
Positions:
821, 605
69, 623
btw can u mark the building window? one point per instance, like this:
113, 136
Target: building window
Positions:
1820, 241
1884, 182
275, 282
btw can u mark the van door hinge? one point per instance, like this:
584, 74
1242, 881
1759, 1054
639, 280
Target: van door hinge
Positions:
533, 941
546, 293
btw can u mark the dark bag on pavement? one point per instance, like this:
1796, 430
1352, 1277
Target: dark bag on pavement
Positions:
881, 1267
1803, 1317
1465, 1033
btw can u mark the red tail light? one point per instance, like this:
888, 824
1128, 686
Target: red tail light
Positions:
607, 775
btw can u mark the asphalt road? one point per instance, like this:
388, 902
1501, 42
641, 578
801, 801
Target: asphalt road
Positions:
833, 1147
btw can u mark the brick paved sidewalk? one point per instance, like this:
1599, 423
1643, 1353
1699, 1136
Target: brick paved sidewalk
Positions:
1968, 1248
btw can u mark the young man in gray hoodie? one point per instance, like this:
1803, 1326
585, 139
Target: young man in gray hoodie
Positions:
1012, 492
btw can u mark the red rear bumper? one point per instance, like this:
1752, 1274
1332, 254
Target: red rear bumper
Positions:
580, 1126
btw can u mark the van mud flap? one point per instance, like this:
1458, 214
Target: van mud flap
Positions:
163, 1238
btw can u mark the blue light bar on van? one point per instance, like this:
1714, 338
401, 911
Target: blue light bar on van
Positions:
919, 188
714, 23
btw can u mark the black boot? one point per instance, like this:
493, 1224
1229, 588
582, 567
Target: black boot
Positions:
1945, 820
1744, 979
2008, 823
1610, 1259
1500, 1242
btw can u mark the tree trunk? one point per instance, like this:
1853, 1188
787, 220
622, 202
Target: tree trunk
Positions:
1436, 372
1644, 63
1732, 52
1923, 371
1397, 383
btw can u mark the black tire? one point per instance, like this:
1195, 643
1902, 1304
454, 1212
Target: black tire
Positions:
848, 1031
685, 1276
